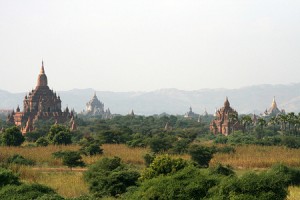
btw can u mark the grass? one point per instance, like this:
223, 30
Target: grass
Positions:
71, 184
294, 193
252, 157
67, 184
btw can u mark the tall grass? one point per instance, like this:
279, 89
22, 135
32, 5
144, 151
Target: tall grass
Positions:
252, 156
294, 193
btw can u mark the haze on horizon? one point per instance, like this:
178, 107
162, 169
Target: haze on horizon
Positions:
140, 45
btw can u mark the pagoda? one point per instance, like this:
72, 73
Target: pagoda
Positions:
226, 120
40, 103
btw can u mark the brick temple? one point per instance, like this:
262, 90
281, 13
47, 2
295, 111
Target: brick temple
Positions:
43, 104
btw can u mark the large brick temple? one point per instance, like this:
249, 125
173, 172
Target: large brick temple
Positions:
41, 103
225, 120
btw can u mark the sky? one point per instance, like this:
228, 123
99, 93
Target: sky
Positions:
144, 45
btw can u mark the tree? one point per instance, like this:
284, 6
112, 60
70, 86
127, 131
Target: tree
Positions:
12, 137
163, 165
201, 155
72, 159
246, 121
42, 142
110, 177
8, 178
59, 134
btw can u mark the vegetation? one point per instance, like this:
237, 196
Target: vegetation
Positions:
182, 161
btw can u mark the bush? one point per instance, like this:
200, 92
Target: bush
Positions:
181, 146
201, 155
59, 134
148, 158
42, 142
225, 149
291, 142
110, 177
90, 146
222, 170
25, 192
221, 139
163, 165
19, 160
70, 158
8, 178
291, 175
188, 183
12, 137
266, 185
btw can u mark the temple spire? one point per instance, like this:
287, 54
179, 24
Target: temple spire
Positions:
42, 69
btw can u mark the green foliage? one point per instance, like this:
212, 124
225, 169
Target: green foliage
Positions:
163, 165
201, 154
266, 186
291, 142
20, 160
42, 142
291, 175
161, 143
70, 158
148, 158
188, 183
26, 192
59, 134
12, 137
181, 146
90, 146
225, 149
222, 170
8, 178
34, 135
110, 177
221, 139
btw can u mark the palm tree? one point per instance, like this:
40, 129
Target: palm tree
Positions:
246, 121
283, 119
273, 121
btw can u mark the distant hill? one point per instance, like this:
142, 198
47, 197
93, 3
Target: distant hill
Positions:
173, 101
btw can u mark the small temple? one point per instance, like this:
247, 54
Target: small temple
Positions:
225, 120
96, 108
190, 114
41, 103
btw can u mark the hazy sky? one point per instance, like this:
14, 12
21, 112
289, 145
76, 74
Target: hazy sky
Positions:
130, 45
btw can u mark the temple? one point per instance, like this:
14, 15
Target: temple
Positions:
41, 103
96, 108
273, 110
190, 114
226, 120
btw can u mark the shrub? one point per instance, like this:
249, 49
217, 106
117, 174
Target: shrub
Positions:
226, 149
188, 183
110, 177
201, 155
266, 185
59, 134
291, 142
42, 142
291, 175
8, 178
181, 146
148, 158
25, 192
222, 170
163, 165
20, 160
12, 137
70, 158
221, 139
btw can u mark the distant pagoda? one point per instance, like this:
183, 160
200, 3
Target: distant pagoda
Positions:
41, 103
273, 110
96, 108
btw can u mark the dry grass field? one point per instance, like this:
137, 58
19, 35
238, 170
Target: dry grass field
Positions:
71, 184
252, 156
